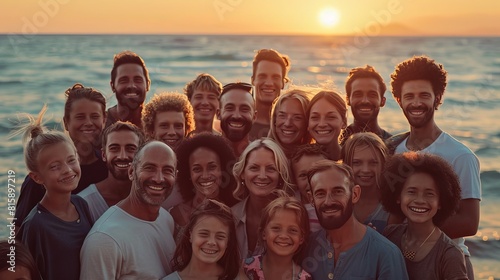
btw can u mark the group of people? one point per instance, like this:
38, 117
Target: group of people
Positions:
248, 181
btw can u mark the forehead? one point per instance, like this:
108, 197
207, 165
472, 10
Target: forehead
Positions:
58, 151
329, 179
210, 223
291, 105
365, 150
203, 155
416, 86
158, 154
122, 137
266, 66
129, 69
170, 117
260, 156
237, 97
324, 106
420, 180
85, 105
365, 83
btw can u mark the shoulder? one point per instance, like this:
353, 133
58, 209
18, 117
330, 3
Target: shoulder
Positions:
88, 191
380, 244
393, 142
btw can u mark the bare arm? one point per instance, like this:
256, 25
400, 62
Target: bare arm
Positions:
465, 222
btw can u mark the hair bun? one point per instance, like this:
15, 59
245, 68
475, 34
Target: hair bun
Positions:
75, 86
35, 131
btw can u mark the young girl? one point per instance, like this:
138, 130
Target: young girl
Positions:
262, 169
205, 173
55, 229
366, 154
208, 249
423, 188
84, 116
284, 228
327, 114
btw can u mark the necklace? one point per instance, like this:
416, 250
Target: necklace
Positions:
411, 254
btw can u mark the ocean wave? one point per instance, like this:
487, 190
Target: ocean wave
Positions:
486, 249
210, 57
10, 82
490, 182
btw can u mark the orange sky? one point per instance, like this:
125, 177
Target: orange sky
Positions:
384, 17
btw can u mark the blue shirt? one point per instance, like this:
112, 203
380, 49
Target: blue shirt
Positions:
374, 257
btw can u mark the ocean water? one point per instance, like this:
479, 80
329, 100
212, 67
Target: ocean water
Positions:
38, 69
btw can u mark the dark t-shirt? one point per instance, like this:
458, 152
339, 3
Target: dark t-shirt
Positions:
55, 244
32, 192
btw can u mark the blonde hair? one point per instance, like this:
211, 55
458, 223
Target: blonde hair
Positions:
38, 137
280, 160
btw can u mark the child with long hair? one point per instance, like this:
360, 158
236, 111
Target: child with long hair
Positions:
284, 228
423, 188
55, 229
366, 154
208, 249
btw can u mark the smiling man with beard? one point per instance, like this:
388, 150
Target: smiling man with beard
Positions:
345, 248
365, 91
418, 85
133, 239
120, 142
237, 114
130, 82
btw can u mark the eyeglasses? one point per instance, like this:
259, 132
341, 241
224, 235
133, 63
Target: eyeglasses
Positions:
239, 85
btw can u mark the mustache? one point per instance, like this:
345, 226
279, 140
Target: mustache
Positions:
164, 185
333, 207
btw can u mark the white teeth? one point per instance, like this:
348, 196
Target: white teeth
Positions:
68, 179
209, 251
204, 110
155, 188
416, 113
261, 184
418, 210
123, 165
321, 132
282, 244
235, 124
365, 110
170, 141
288, 132
131, 94
206, 184
87, 131
267, 90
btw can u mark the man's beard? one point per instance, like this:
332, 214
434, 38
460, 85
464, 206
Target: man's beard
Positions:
428, 116
131, 102
145, 197
231, 134
118, 174
332, 223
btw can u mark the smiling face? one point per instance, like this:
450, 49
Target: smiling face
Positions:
209, 240
237, 114
58, 168
365, 99
418, 102
260, 174
290, 122
120, 149
332, 198
153, 175
282, 233
205, 171
366, 166
85, 122
129, 85
419, 198
325, 122
205, 105
170, 128
268, 81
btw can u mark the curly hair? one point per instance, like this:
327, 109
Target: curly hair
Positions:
166, 102
273, 56
129, 57
230, 261
419, 68
218, 145
400, 167
364, 72
280, 160
205, 82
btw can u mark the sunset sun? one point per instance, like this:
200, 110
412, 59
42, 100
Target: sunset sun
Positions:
329, 17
